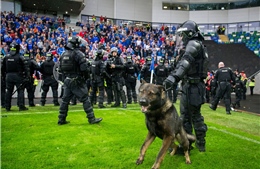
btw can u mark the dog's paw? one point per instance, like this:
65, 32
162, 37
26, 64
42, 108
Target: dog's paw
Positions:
188, 162
156, 166
139, 161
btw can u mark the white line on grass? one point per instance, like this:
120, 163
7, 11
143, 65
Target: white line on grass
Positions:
52, 112
236, 135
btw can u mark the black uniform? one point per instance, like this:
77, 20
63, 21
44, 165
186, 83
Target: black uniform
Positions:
48, 81
33, 66
161, 73
3, 86
97, 71
108, 83
74, 67
173, 92
145, 73
16, 73
131, 72
213, 87
117, 80
192, 70
224, 76
238, 90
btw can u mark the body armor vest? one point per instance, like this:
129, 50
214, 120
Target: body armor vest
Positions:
161, 71
116, 72
130, 69
67, 62
95, 68
48, 67
200, 66
14, 64
224, 74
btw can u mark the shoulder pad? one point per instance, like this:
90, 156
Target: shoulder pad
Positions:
192, 48
229, 68
80, 54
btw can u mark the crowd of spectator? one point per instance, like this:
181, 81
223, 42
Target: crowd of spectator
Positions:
41, 34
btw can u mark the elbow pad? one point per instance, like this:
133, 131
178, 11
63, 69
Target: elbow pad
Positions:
181, 69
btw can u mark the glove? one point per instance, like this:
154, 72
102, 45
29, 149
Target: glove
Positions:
168, 82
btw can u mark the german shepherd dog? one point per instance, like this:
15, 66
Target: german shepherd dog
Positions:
162, 120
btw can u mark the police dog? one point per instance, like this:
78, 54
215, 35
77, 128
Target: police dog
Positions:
162, 120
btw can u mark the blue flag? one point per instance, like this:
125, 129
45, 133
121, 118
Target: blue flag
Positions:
152, 65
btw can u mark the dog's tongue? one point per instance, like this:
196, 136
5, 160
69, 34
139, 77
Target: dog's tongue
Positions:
144, 109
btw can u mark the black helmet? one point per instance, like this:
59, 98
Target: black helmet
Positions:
188, 30
49, 56
129, 59
14, 48
99, 54
26, 55
161, 61
73, 42
114, 49
148, 60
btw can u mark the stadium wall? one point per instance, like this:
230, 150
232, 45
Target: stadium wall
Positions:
151, 11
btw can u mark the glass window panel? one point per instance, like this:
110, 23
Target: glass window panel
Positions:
254, 3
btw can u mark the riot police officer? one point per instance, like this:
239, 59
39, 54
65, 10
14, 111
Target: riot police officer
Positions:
116, 68
74, 67
161, 72
48, 80
131, 72
192, 70
224, 77
33, 66
98, 72
3, 86
145, 73
213, 85
238, 90
108, 81
16, 73
173, 92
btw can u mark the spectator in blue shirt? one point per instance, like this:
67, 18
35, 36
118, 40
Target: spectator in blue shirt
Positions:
60, 49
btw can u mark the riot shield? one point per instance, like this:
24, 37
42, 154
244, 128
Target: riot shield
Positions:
57, 74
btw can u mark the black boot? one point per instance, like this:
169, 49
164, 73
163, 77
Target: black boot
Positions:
124, 105
201, 145
56, 103
23, 108
212, 107
101, 106
116, 105
42, 103
94, 120
62, 121
228, 112
91, 117
31, 104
